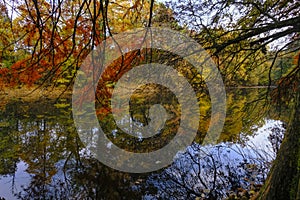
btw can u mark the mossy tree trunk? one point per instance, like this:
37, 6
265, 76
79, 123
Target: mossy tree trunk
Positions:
283, 182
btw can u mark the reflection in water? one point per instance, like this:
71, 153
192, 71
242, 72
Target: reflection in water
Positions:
12, 184
41, 156
218, 171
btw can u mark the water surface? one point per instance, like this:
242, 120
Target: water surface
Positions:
42, 157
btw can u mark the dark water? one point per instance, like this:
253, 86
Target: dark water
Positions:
42, 157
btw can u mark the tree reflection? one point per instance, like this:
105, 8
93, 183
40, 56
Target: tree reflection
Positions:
43, 136
216, 172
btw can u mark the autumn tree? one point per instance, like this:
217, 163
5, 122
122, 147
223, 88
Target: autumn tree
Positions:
263, 31
56, 36
241, 36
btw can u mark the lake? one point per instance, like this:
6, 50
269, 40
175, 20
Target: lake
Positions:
43, 157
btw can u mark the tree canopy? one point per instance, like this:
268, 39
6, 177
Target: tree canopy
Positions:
253, 42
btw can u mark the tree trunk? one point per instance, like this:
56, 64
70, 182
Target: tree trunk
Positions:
283, 182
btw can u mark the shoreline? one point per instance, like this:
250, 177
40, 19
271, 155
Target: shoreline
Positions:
252, 87
32, 94
36, 93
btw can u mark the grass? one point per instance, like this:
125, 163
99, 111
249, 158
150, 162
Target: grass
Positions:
31, 94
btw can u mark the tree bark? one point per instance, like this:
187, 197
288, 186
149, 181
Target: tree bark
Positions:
283, 182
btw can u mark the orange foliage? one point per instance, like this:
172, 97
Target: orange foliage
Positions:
111, 75
20, 73
297, 59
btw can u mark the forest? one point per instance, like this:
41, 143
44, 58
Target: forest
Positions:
46, 46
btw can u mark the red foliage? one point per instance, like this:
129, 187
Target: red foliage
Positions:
110, 76
21, 73
297, 59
